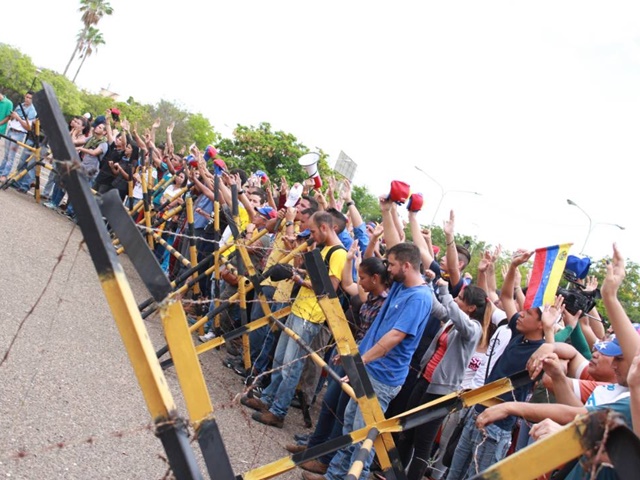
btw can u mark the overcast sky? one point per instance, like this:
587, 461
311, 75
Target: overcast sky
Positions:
526, 104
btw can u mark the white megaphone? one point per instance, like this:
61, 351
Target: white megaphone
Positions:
310, 163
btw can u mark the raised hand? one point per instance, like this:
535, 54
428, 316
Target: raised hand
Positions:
449, 225
615, 273
353, 251
385, 204
551, 313
521, 257
346, 190
592, 284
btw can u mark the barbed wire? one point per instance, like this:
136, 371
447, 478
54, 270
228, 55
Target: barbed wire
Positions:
220, 243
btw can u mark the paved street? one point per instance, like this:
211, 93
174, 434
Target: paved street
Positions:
70, 406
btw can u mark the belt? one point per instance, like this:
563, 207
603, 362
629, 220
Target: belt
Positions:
16, 130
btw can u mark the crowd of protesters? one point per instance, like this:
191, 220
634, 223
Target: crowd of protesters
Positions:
424, 328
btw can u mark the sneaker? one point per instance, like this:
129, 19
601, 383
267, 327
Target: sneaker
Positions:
206, 337
50, 205
301, 437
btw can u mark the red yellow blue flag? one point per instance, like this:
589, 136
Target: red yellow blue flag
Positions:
548, 265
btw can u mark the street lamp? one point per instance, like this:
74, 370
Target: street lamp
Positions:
591, 224
443, 192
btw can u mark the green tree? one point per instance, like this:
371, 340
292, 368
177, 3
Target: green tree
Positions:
199, 130
71, 100
92, 40
367, 204
17, 71
92, 12
260, 148
628, 292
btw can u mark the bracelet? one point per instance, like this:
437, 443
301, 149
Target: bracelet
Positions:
350, 203
451, 242
288, 223
240, 192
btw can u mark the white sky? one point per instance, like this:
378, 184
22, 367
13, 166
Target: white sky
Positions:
528, 104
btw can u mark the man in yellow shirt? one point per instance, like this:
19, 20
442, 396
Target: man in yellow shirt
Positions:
306, 319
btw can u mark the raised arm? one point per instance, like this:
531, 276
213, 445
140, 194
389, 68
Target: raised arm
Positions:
453, 266
373, 241
348, 285
419, 241
170, 128
391, 236
622, 326
397, 222
633, 380
506, 294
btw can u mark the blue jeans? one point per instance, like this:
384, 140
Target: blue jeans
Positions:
475, 453
11, 148
287, 365
344, 458
331, 416
262, 339
26, 181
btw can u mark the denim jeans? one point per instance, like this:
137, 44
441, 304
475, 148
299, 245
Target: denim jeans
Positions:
50, 185
331, 416
11, 148
287, 365
475, 453
344, 458
57, 195
26, 181
263, 339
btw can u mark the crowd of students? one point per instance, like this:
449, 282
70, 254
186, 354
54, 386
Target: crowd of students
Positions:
424, 328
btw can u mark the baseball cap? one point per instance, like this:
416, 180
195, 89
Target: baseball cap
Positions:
266, 212
611, 348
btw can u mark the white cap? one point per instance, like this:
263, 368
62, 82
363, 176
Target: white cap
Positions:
295, 193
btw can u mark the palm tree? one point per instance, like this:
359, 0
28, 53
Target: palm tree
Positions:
92, 12
92, 40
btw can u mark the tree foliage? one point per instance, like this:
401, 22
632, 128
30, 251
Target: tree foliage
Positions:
90, 41
17, 71
367, 204
92, 12
260, 148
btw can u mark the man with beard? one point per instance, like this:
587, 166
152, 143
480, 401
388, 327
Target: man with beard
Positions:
388, 346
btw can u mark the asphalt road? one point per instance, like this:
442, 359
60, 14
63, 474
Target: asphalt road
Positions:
70, 405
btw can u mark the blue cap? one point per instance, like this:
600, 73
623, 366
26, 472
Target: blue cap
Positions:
578, 266
305, 233
266, 212
612, 347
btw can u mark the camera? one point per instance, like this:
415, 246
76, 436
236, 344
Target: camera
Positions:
575, 298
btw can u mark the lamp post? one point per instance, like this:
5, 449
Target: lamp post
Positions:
443, 192
591, 224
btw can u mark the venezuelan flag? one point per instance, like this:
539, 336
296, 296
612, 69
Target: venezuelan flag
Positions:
548, 265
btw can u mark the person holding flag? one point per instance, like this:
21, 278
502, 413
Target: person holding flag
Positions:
490, 444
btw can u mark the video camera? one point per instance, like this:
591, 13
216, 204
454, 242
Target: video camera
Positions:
575, 298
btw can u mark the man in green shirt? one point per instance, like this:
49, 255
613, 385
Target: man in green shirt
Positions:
6, 107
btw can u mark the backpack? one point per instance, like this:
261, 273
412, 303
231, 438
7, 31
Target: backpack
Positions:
343, 297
